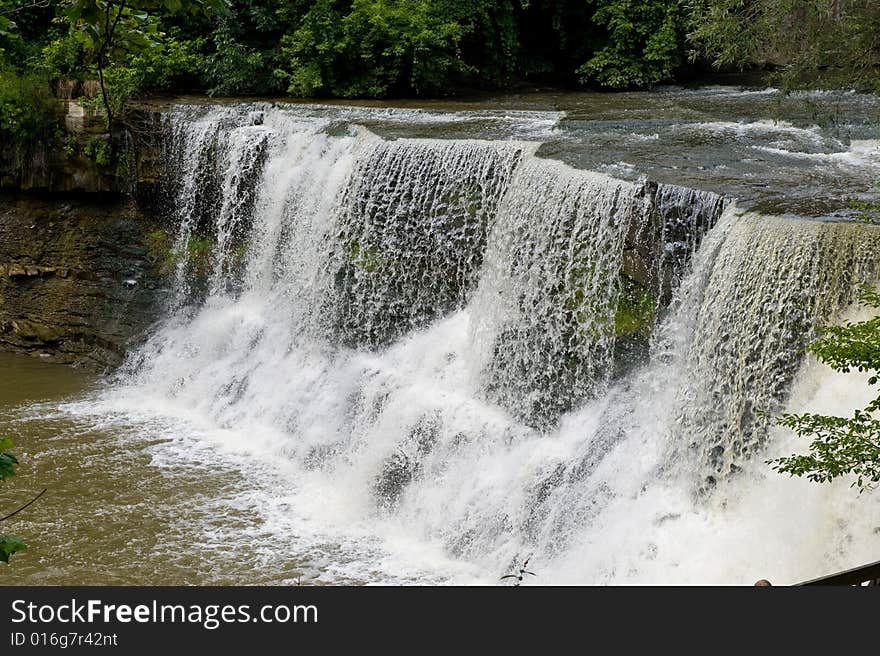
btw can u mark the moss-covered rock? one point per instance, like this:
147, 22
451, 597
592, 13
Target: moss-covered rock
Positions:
636, 309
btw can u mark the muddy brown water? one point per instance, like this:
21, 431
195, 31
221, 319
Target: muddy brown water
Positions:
112, 514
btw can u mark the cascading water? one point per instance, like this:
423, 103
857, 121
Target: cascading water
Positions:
773, 282
546, 308
413, 231
426, 335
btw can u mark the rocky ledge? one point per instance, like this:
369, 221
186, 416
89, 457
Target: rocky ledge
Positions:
77, 283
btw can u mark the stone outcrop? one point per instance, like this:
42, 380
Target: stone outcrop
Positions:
76, 160
76, 281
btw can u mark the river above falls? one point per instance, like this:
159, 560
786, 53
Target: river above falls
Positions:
804, 154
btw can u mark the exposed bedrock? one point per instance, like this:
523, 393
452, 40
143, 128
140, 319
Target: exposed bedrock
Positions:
76, 278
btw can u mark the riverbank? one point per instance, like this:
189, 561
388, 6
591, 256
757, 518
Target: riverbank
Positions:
77, 280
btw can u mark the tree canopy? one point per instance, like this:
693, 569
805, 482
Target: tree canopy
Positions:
380, 48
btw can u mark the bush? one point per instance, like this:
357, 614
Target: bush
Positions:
61, 57
98, 150
816, 42
28, 110
378, 48
842, 446
175, 63
644, 44
236, 69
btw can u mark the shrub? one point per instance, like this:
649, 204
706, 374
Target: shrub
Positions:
644, 44
28, 110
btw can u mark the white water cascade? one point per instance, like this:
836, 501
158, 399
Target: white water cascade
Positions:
425, 336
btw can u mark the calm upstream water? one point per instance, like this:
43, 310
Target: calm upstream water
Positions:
404, 364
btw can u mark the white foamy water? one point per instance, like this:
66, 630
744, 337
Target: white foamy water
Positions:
408, 348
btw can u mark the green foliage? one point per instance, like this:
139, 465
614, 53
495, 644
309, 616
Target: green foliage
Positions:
121, 85
8, 461
98, 150
28, 111
173, 62
378, 48
382, 48
643, 43
125, 165
242, 48
8, 544
235, 69
70, 145
111, 29
727, 32
24, 24
817, 41
122, 38
197, 253
7, 26
61, 56
842, 446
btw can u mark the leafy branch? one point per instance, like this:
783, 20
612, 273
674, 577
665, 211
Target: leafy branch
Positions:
10, 544
842, 446
113, 30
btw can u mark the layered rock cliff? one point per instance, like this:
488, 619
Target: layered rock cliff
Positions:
76, 280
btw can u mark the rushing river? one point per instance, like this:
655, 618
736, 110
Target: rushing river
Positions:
403, 360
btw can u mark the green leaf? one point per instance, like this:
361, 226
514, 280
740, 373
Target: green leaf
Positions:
841, 446
10, 545
7, 460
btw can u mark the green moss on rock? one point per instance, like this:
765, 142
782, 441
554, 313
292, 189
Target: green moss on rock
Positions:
636, 310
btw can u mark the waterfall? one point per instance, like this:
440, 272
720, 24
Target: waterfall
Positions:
413, 231
549, 292
502, 353
773, 282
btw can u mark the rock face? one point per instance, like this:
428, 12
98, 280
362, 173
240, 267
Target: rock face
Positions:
78, 162
46, 167
76, 281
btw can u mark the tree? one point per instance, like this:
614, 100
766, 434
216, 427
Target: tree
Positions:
842, 446
821, 41
379, 48
643, 46
111, 30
